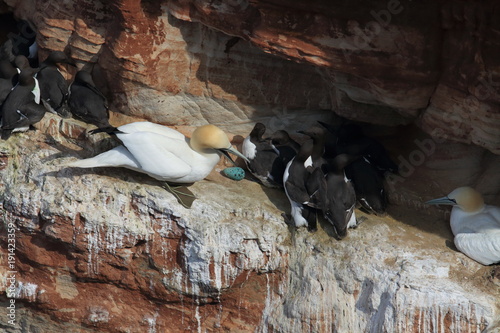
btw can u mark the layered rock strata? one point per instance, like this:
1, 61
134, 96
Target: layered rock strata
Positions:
111, 251
192, 62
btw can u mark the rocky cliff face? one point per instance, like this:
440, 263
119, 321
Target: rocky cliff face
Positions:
98, 250
111, 251
432, 63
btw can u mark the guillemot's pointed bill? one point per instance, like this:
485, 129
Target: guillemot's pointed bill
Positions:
475, 225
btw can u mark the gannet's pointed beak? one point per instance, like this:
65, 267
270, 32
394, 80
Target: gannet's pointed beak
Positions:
226, 151
442, 201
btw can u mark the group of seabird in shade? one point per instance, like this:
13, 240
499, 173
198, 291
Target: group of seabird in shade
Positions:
331, 171
27, 93
337, 167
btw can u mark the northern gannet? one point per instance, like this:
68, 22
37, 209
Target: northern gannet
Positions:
476, 226
164, 153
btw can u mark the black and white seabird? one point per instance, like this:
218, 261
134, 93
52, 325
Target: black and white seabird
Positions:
263, 158
367, 172
281, 138
87, 103
317, 166
337, 196
21, 62
7, 79
53, 86
369, 186
21, 108
295, 180
21, 42
318, 136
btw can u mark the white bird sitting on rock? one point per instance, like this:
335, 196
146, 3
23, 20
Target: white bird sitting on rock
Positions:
476, 226
163, 153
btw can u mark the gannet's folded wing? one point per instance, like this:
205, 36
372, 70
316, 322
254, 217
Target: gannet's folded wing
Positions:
494, 212
159, 156
116, 157
146, 126
482, 247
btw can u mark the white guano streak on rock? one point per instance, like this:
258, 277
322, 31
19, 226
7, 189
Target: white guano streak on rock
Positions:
197, 316
263, 327
26, 290
93, 247
220, 248
323, 292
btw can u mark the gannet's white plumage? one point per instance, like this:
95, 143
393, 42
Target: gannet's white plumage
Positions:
163, 153
476, 226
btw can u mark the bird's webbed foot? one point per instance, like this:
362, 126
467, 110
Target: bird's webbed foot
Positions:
183, 195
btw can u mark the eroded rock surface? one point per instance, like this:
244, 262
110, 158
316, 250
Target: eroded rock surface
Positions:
109, 250
192, 62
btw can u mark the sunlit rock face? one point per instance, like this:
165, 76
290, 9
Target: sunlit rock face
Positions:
109, 250
428, 60
112, 251
155, 66
382, 62
369, 50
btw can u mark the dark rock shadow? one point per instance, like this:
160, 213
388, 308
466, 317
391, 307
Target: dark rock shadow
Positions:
278, 197
279, 90
85, 151
423, 221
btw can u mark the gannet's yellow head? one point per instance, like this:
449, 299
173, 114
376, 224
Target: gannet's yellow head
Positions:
465, 197
211, 137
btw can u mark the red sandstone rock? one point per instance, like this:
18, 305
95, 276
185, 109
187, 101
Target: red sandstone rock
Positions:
398, 61
178, 63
